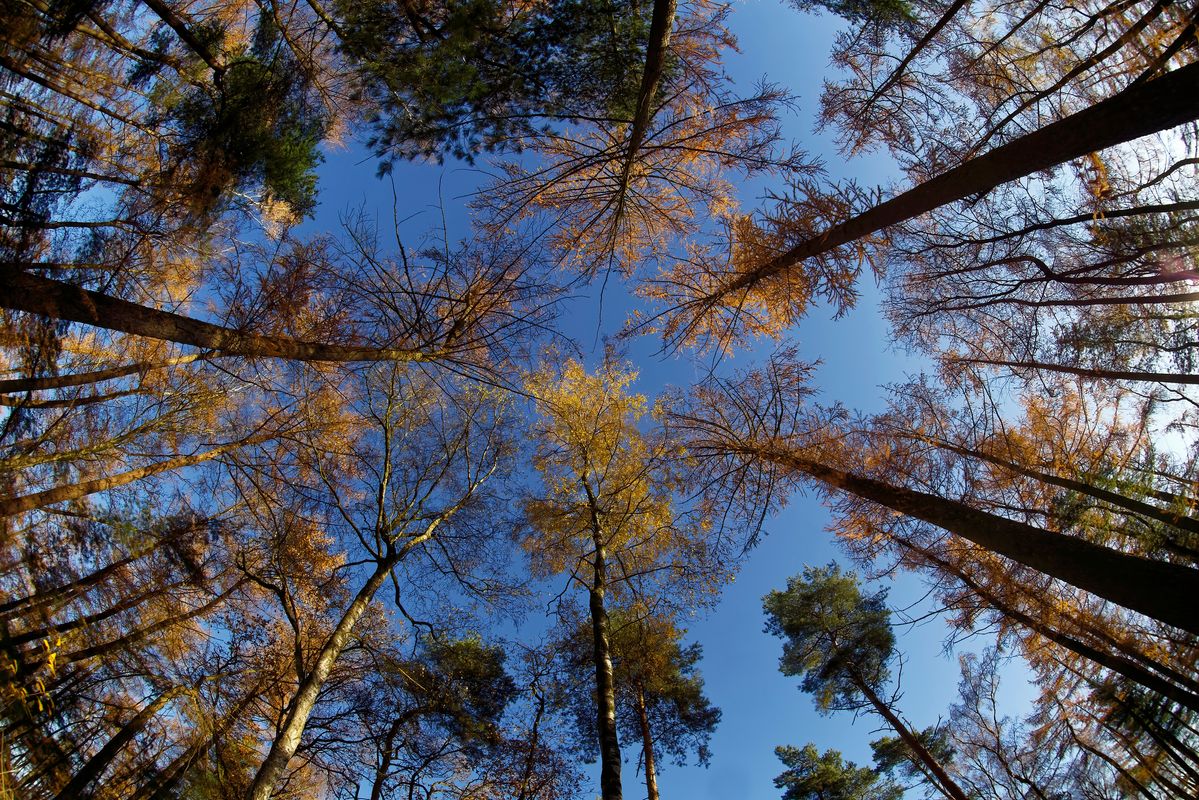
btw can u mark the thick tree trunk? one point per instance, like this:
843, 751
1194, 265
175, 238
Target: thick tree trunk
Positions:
1157, 589
605, 684
287, 741
24, 291
1157, 105
96, 765
647, 747
945, 783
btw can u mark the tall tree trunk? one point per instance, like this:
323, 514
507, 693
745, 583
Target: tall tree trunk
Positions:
945, 783
287, 741
1157, 105
605, 684
655, 63
74, 491
160, 785
1086, 372
1111, 661
15, 385
647, 746
1157, 589
1189, 524
95, 766
389, 749
24, 291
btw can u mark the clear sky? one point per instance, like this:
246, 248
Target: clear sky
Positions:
761, 708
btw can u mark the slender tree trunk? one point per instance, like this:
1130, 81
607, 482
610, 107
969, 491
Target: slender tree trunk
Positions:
655, 63
945, 783
287, 741
1157, 589
141, 634
65, 592
1116, 663
647, 747
1179, 521
15, 385
384, 768
605, 684
71, 402
96, 765
24, 291
1157, 105
60, 494
160, 785
1086, 372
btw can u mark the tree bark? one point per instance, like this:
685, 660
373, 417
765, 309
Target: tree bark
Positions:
946, 783
1117, 664
1157, 105
647, 747
59, 494
287, 741
1179, 521
24, 291
655, 63
15, 385
1157, 589
96, 765
605, 684
1086, 372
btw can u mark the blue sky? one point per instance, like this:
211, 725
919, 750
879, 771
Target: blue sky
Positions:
761, 708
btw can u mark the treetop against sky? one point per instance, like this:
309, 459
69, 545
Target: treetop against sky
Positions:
402, 399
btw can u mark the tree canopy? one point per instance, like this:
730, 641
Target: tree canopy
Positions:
303, 502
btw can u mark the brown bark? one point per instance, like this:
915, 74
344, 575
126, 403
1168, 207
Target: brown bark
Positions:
71, 402
24, 291
655, 63
1086, 372
14, 385
1117, 664
147, 631
96, 765
1157, 105
1157, 589
67, 591
59, 494
1185, 523
945, 783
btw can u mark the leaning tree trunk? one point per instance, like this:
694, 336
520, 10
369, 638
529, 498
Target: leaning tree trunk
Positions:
287, 741
945, 783
25, 291
1087, 372
1140, 110
74, 491
96, 765
1114, 662
1157, 589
